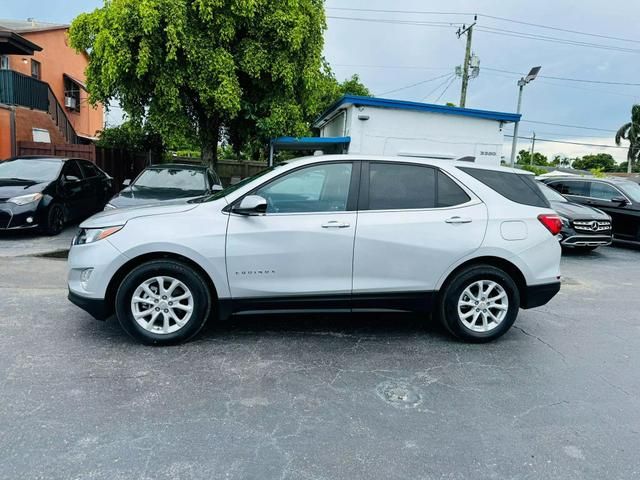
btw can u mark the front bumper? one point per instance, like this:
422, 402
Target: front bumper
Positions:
573, 237
538, 295
18, 217
96, 307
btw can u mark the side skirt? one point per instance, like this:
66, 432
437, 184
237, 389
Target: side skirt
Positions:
418, 302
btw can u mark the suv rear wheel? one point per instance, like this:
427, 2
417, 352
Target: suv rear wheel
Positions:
163, 302
479, 304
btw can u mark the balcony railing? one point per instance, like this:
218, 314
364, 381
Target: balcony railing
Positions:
19, 89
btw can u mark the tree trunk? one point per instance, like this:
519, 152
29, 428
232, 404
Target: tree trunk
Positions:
630, 161
209, 136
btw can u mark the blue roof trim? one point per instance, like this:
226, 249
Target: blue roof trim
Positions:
305, 141
416, 106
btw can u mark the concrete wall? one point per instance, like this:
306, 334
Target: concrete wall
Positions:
57, 58
410, 133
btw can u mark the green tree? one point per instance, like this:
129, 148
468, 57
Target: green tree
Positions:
600, 161
631, 132
199, 65
524, 158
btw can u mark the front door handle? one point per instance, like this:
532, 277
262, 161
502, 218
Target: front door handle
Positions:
458, 220
335, 224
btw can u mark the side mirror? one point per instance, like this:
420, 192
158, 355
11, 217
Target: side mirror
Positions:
126, 182
216, 188
620, 200
71, 179
251, 205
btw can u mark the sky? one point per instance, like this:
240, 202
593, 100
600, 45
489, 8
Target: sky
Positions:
400, 49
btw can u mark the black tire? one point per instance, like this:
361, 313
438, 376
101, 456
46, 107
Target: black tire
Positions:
447, 306
196, 284
54, 222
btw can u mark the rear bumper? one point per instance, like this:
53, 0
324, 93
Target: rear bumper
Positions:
538, 295
96, 307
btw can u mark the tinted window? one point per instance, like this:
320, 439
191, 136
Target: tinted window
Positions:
172, 178
318, 188
571, 187
603, 191
33, 169
449, 193
632, 190
516, 187
551, 194
394, 186
90, 170
71, 169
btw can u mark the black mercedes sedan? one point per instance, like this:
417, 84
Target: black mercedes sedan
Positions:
169, 181
619, 198
47, 192
583, 228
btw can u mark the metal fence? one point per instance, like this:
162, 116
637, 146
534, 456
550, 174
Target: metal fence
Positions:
19, 89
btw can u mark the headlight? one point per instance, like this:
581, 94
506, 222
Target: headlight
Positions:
90, 235
26, 199
108, 206
565, 221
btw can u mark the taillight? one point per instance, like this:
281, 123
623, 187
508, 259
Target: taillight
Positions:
552, 222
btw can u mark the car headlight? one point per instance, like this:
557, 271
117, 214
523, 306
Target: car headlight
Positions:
108, 206
90, 235
26, 199
565, 221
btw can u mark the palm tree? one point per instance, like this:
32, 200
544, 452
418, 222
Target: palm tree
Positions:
631, 131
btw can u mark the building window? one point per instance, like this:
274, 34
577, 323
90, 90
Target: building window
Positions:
40, 135
35, 69
71, 95
4, 62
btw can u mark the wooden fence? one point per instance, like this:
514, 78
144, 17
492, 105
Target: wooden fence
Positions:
123, 164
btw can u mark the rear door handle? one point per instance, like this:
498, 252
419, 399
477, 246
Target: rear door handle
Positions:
335, 224
458, 220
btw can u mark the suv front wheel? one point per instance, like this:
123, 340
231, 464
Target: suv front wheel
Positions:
479, 304
163, 302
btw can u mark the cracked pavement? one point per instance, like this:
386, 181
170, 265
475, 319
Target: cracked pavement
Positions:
324, 397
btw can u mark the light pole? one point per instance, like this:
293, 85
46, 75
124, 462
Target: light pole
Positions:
521, 83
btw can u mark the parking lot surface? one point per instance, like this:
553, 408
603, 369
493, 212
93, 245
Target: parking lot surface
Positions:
349, 397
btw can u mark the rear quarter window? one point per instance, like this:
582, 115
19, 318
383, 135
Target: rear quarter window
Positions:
516, 187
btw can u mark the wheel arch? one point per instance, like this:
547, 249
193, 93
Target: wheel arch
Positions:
123, 271
510, 268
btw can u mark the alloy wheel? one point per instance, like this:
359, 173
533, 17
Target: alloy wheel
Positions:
483, 305
162, 305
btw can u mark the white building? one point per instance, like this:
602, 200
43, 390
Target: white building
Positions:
380, 126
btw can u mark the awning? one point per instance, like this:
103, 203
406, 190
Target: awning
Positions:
13, 44
75, 80
326, 144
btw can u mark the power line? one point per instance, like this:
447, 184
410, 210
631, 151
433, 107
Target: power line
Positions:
568, 143
437, 87
453, 79
414, 84
398, 22
601, 82
568, 126
492, 17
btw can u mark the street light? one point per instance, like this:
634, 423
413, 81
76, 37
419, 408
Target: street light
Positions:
521, 83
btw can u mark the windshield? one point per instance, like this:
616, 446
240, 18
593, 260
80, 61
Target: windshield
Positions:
632, 190
551, 194
241, 183
172, 178
36, 170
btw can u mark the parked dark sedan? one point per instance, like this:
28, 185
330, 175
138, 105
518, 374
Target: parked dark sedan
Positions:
583, 228
616, 197
160, 183
47, 192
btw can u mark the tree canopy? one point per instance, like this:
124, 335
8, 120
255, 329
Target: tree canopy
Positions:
601, 161
245, 69
631, 132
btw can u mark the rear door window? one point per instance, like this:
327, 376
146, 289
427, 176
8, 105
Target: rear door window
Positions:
516, 187
449, 192
397, 186
571, 187
602, 191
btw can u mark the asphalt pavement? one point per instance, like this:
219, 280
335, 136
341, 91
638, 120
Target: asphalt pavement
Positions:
324, 397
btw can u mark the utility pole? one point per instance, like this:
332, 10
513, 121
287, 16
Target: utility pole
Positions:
533, 73
533, 148
467, 58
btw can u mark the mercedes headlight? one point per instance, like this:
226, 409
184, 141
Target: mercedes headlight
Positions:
26, 199
90, 235
108, 206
